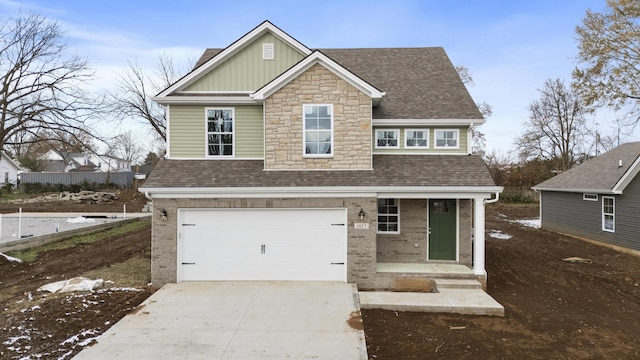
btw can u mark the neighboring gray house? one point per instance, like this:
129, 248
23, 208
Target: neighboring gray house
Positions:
597, 200
287, 163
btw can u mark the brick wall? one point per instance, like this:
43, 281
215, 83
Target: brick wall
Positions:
361, 244
410, 246
351, 122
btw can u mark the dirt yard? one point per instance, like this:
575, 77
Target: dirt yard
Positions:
133, 199
553, 309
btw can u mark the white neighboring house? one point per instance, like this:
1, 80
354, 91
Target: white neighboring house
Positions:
65, 162
88, 161
9, 169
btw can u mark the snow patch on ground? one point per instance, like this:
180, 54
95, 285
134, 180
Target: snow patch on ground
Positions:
80, 220
533, 223
497, 234
10, 258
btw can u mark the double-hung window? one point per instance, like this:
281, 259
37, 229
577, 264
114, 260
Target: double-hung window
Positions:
416, 138
388, 216
220, 129
318, 130
447, 138
387, 139
608, 214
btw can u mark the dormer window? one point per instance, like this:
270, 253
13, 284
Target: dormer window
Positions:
268, 51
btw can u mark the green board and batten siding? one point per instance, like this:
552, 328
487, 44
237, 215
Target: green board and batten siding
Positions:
246, 70
404, 150
188, 132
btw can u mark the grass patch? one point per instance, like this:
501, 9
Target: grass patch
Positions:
7, 197
29, 255
135, 272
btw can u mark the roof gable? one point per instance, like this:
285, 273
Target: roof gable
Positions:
608, 173
231, 51
318, 58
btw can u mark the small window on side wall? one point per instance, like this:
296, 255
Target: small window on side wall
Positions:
590, 197
388, 139
447, 139
608, 214
389, 216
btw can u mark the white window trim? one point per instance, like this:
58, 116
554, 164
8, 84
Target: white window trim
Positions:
435, 139
612, 214
590, 197
206, 133
304, 133
396, 131
406, 138
390, 232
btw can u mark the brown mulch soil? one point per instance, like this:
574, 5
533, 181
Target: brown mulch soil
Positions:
53, 326
553, 309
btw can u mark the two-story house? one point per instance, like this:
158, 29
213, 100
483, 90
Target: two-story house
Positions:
289, 163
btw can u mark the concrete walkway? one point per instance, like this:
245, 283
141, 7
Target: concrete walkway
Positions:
453, 296
239, 320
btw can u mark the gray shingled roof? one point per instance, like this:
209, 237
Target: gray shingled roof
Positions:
599, 174
389, 170
420, 83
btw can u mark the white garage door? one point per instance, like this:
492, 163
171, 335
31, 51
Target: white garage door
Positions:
262, 244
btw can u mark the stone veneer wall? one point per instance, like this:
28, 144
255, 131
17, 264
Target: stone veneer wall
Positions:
351, 121
361, 243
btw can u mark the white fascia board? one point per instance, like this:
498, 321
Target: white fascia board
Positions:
232, 50
427, 122
577, 190
628, 176
205, 100
318, 58
417, 192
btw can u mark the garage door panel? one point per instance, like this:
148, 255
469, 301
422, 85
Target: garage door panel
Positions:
264, 244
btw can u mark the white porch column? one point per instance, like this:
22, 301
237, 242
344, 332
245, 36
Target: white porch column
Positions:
478, 247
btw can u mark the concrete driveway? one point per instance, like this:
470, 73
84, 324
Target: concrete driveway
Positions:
239, 320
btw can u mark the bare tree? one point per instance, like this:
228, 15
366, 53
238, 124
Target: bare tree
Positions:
609, 57
555, 126
479, 141
42, 87
136, 87
126, 146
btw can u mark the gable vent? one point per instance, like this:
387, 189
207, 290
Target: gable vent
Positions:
268, 51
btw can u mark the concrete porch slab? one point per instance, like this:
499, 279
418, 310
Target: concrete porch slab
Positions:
467, 299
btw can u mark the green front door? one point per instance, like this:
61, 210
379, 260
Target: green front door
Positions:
442, 229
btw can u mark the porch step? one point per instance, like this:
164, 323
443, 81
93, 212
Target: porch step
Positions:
457, 284
470, 301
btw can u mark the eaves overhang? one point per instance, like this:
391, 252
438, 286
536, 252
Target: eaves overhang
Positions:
204, 100
580, 190
427, 122
413, 192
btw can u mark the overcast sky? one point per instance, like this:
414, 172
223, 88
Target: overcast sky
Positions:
510, 47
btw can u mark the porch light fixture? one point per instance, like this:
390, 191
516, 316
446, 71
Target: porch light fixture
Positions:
361, 214
163, 215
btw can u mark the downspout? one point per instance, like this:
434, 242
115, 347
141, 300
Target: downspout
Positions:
146, 194
491, 201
